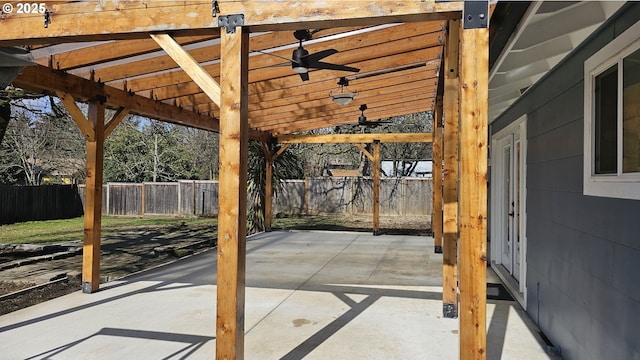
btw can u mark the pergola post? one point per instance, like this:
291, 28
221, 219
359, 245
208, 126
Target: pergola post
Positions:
436, 210
268, 186
376, 187
270, 158
233, 193
93, 200
375, 160
95, 130
450, 194
474, 78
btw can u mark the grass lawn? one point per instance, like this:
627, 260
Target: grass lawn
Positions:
56, 231
310, 222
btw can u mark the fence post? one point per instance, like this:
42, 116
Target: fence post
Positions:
142, 197
193, 192
306, 195
179, 197
403, 193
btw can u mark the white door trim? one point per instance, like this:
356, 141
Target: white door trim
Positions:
498, 217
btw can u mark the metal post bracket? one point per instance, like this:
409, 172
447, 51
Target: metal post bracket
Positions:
230, 22
475, 15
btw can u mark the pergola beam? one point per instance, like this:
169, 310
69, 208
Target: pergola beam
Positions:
42, 79
86, 21
355, 138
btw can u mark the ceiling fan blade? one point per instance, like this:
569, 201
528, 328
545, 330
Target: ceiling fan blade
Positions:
329, 66
304, 76
278, 56
278, 65
311, 58
375, 123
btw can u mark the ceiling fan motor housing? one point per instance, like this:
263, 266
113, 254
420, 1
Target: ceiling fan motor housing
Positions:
298, 56
298, 59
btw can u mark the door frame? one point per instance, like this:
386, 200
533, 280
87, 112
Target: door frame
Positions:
498, 213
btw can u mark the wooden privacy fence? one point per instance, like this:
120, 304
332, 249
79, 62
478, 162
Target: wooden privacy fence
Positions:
46, 202
354, 195
318, 195
185, 197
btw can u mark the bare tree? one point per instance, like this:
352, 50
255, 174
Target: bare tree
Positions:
11, 97
24, 152
405, 156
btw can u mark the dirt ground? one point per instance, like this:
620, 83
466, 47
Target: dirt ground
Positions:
121, 254
129, 252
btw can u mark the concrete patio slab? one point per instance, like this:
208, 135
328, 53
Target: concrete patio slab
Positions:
309, 295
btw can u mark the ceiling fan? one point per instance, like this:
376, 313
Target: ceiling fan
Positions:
301, 61
362, 120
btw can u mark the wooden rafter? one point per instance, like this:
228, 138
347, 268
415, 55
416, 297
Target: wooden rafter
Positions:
356, 59
380, 97
304, 124
422, 79
280, 90
396, 39
114, 50
377, 105
211, 52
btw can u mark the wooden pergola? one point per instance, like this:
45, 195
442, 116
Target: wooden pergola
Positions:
214, 65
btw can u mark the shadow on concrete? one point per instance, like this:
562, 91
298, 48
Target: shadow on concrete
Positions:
306, 347
193, 342
498, 330
190, 273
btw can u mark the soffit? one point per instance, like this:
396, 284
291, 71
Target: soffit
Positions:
547, 33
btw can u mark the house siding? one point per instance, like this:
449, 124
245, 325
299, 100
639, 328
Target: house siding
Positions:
583, 252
